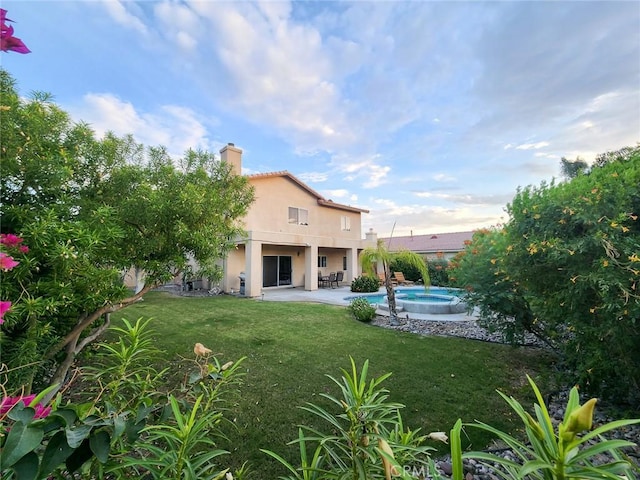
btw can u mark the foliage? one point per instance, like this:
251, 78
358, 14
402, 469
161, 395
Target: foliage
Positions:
571, 169
439, 272
137, 430
181, 449
91, 209
624, 154
411, 272
362, 310
365, 284
373, 257
574, 249
491, 287
550, 452
566, 267
123, 372
367, 439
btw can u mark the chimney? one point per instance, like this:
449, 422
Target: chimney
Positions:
233, 156
371, 237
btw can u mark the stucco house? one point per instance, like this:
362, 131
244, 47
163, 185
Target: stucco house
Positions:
431, 246
293, 232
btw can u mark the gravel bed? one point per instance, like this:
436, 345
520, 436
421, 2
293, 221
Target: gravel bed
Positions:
447, 328
475, 470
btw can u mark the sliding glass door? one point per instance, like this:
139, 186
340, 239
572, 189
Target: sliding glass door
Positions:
276, 270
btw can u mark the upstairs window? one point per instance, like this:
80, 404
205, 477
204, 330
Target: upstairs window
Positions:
298, 216
345, 223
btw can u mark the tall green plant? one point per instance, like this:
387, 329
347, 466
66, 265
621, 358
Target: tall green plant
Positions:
125, 425
372, 258
368, 439
182, 449
123, 371
564, 451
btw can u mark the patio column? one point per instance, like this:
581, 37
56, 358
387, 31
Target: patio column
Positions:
352, 265
253, 268
311, 267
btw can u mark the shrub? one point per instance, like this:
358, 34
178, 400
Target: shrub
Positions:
128, 427
365, 284
411, 272
362, 309
565, 267
439, 272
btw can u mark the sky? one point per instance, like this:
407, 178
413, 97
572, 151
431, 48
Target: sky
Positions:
428, 114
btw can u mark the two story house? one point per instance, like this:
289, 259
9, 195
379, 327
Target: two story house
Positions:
293, 233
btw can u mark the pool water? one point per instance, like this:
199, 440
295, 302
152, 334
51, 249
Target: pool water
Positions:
415, 294
437, 300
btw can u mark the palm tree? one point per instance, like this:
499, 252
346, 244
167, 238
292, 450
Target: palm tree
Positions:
371, 257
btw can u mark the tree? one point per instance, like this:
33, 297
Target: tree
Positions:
89, 209
566, 267
572, 168
623, 154
371, 258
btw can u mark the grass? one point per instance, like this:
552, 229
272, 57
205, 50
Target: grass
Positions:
291, 347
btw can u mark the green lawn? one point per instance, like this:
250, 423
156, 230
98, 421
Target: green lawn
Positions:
290, 347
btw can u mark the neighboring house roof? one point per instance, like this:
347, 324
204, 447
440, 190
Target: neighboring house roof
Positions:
321, 200
432, 243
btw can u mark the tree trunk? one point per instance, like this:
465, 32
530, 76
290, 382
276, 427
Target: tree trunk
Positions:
391, 299
72, 344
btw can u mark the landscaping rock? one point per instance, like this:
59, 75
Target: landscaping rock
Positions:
470, 329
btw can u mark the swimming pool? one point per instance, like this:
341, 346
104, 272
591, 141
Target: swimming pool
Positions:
437, 300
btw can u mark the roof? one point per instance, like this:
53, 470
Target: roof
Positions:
321, 200
431, 243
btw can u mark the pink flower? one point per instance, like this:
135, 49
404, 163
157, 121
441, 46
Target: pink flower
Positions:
7, 40
24, 249
7, 262
4, 308
10, 240
9, 402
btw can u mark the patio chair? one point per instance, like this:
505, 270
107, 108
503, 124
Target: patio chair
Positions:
323, 280
339, 278
332, 279
394, 282
401, 280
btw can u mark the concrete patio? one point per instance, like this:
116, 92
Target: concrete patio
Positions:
336, 296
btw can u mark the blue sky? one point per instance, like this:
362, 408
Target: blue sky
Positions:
428, 114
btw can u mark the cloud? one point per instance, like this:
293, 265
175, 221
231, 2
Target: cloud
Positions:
338, 193
123, 16
468, 199
443, 177
279, 72
421, 219
534, 146
542, 62
313, 177
175, 127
